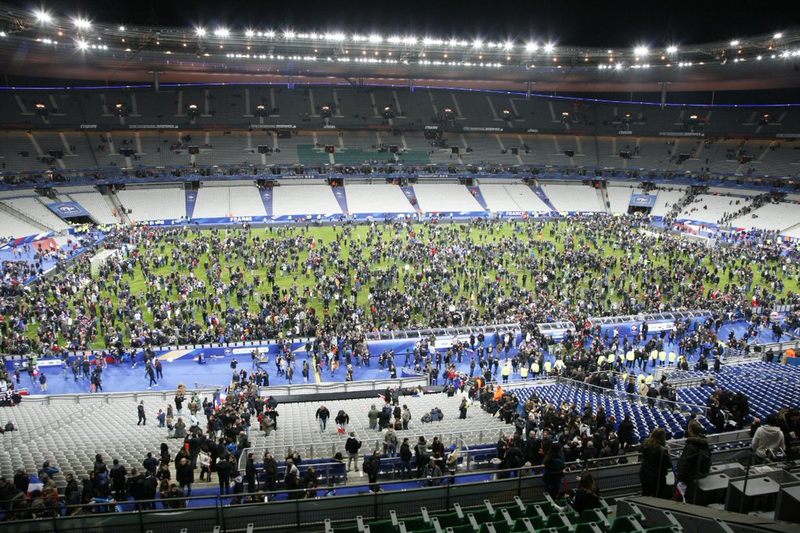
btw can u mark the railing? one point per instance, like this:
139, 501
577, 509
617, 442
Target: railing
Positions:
674, 406
290, 510
344, 386
324, 450
107, 397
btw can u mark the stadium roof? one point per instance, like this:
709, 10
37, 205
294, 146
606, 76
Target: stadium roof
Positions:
74, 47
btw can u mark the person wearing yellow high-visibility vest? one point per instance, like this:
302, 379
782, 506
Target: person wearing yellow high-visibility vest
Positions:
506, 371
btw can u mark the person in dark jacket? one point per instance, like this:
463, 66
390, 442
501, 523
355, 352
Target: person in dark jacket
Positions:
371, 467
270, 471
553, 477
587, 496
625, 432
184, 475
224, 470
695, 460
118, 481
322, 417
250, 473
405, 458
655, 464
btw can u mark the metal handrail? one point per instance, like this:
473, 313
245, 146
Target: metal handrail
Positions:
635, 398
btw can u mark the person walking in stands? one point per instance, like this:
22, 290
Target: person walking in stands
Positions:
372, 416
695, 460
142, 416
553, 470
322, 417
372, 466
342, 419
351, 447
224, 470
184, 475
292, 479
250, 473
405, 459
655, 464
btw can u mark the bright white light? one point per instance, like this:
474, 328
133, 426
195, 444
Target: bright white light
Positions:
82, 45
3, 34
410, 40
269, 34
508, 45
672, 49
618, 66
289, 34
249, 33
43, 17
640, 50
777, 35
200, 31
531, 47
375, 38
477, 44
222, 32
335, 36
121, 28
735, 42
81, 23
549, 47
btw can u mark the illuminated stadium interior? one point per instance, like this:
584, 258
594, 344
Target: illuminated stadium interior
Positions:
271, 272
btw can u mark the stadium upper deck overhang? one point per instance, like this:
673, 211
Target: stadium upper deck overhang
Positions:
74, 48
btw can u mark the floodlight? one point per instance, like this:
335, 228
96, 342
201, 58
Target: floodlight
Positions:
222, 32
82, 45
200, 31
549, 47
508, 45
121, 28
42, 16
249, 33
531, 47
477, 44
735, 42
640, 50
777, 35
375, 38
672, 49
81, 23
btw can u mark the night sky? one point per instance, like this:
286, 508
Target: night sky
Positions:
595, 23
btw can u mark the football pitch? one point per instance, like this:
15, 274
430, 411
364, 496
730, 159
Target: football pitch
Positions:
506, 256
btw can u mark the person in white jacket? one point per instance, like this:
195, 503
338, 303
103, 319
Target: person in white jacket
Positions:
768, 439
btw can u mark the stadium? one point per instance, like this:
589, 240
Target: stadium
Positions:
360, 279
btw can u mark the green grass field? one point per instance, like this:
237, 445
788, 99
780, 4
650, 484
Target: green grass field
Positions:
503, 235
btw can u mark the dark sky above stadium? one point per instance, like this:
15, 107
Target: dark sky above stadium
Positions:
588, 23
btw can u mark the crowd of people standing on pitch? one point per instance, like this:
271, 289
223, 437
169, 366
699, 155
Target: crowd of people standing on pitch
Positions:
177, 286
